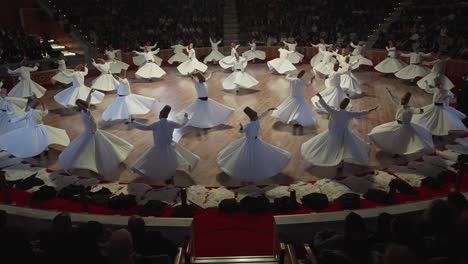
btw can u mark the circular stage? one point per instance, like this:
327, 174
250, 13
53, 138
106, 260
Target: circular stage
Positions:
179, 92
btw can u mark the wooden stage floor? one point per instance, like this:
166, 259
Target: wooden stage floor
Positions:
178, 91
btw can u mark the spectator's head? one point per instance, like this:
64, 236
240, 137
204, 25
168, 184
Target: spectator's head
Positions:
439, 216
384, 221
136, 225
403, 230
95, 229
399, 254
62, 224
406, 98
457, 202
120, 249
355, 227
164, 113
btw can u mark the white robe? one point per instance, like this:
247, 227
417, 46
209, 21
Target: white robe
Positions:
10, 108
26, 87
157, 59
106, 81
338, 143
333, 93
318, 57
78, 90
59, 76
253, 53
281, 65
438, 71
325, 65
250, 159
214, 55
391, 64
95, 150
161, 161
149, 69
294, 57
127, 104
192, 64
348, 80
228, 61
295, 109
414, 69
357, 59
441, 119
239, 78
33, 137
116, 66
179, 55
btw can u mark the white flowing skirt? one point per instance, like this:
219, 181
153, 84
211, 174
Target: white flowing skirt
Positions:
252, 160
161, 162
105, 82
150, 70
227, 62
7, 126
401, 139
190, 66
316, 59
326, 149
30, 141
281, 66
26, 88
445, 82
101, 152
207, 114
295, 57
214, 55
324, 68
61, 78
239, 79
351, 83
178, 57
68, 96
18, 105
295, 110
441, 120
125, 106
117, 66
332, 96
390, 65
412, 71
362, 61
252, 55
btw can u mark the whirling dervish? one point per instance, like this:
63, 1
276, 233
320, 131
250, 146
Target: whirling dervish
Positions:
205, 112
59, 76
32, 137
338, 144
162, 160
106, 81
10, 107
250, 159
127, 104
294, 109
333, 94
391, 64
252, 54
414, 69
116, 66
179, 55
148, 47
193, 64
295, 57
149, 69
228, 61
349, 81
437, 72
402, 137
325, 65
26, 87
214, 55
78, 90
281, 64
239, 78
357, 59
439, 117
94, 149
322, 46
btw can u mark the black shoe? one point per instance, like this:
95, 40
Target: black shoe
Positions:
169, 181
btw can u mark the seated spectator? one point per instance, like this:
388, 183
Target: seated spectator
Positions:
120, 249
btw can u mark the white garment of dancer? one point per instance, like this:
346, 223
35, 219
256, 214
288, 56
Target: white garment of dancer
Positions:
318, 57
415, 69
401, 136
179, 55
251, 159
338, 143
149, 69
116, 66
228, 61
127, 104
157, 59
295, 57
26, 87
106, 81
214, 55
439, 117
333, 93
162, 160
11, 107
94, 149
78, 90
192, 64
295, 109
239, 78
391, 64
205, 112
281, 65
59, 76
437, 72
33, 137
356, 57
325, 65
253, 53
348, 81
